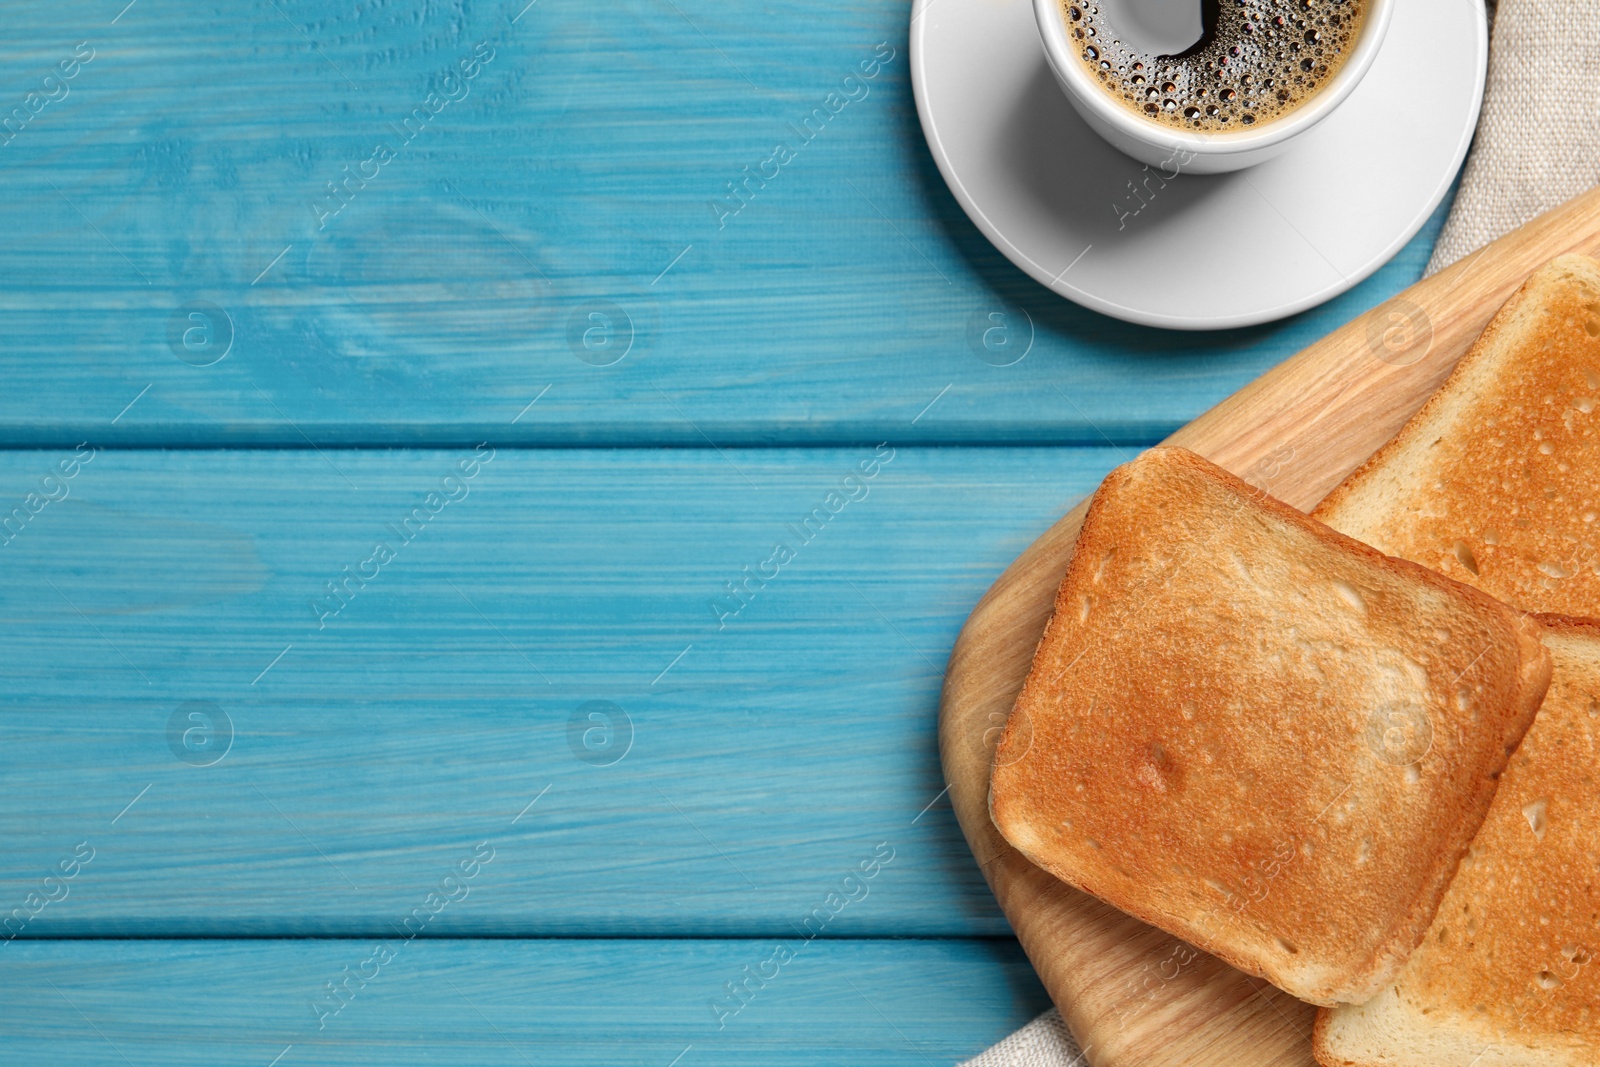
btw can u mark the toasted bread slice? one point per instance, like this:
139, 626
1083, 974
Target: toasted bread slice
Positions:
1258, 734
1506, 976
1496, 480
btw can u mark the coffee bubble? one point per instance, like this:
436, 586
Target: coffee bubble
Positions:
1255, 61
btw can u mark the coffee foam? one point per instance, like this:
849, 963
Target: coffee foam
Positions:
1257, 61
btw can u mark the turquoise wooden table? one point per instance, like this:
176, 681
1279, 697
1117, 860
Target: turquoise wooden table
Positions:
480, 548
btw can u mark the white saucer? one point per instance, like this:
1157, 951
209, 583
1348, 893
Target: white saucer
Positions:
1199, 252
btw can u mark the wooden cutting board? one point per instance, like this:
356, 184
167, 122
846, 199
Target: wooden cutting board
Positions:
1130, 993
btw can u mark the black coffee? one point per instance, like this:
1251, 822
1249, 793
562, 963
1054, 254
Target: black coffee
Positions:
1255, 61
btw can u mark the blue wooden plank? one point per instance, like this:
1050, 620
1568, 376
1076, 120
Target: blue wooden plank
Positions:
555, 1003
177, 270
764, 744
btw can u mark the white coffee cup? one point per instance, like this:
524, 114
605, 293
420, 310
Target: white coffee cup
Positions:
1194, 151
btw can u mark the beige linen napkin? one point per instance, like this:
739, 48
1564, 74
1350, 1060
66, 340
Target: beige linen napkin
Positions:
1538, 140
1537, 146
1045, 1042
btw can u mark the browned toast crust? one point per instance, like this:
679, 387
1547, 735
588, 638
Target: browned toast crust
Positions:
1507, 972
1496, 480
1204, 739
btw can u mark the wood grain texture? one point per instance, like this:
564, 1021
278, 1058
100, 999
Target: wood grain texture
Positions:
766, 760
187, 171
554, 1003
1131, 994
444, 304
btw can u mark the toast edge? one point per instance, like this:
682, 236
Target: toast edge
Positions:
1437, 406
1388, 1000
1390, 954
